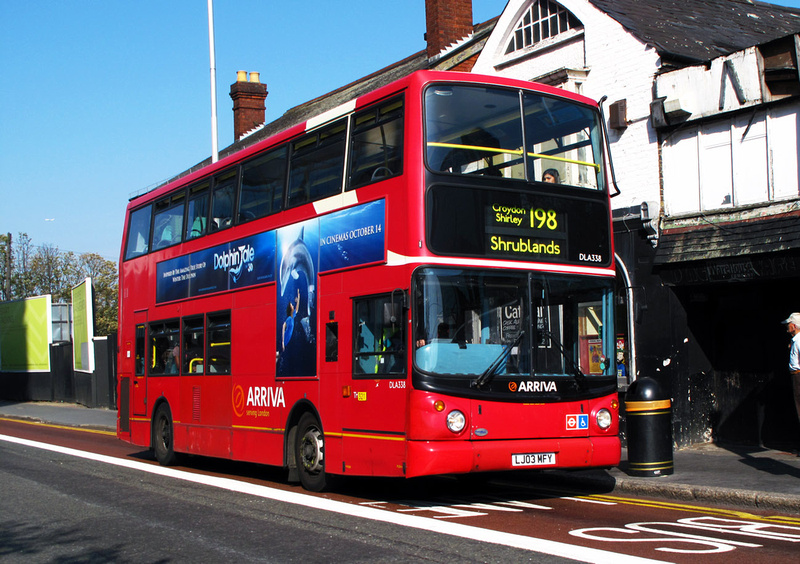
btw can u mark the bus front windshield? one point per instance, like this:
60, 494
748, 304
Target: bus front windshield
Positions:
524, 135
483, 324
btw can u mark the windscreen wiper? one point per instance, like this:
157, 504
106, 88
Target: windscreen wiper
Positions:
488, 375
580, 377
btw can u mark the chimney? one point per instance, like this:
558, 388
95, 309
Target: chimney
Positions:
248, 103
447, 21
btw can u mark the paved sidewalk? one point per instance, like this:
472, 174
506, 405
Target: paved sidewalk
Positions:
742, 477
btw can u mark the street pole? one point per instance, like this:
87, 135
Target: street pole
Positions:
7, 281
212, 57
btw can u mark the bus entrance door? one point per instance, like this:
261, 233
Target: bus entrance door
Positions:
374, 412
139, 381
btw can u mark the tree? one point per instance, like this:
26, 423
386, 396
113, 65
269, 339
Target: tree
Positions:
5, 267
104, 280
46, 270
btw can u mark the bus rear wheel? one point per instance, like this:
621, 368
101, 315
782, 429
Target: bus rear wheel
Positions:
310, 453
163, 434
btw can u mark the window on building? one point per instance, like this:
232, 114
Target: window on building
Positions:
62, 319
726, 163
543, 20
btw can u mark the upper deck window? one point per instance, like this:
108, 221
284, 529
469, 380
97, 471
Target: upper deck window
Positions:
474, 130
197, 212
138, 233
263, 179
543, 20
168, 221
222, 200
377, 143
317, 165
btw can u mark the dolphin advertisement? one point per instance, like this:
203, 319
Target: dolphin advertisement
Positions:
298, 249
233, 265
292, 257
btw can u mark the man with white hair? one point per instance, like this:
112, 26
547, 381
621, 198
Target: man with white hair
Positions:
793, 328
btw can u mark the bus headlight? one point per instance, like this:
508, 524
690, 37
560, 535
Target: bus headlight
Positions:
456, 421
603, 418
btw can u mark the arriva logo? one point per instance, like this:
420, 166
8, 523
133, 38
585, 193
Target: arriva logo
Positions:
533, 386
257, 396
235, 260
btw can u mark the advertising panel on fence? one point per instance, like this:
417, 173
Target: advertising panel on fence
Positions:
83, 327
25, 335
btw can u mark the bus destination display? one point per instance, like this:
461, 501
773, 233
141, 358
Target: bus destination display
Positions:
519, 225
526, 232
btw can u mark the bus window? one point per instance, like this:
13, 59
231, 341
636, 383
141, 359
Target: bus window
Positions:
222, 200
377, 146
193, 344
164, 347
197, 211
263, 180
317, 164
168, 221
138, 233
138, 369
474, 130
378, 342
563, 142
218, 351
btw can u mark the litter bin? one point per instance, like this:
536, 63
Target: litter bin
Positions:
649, 429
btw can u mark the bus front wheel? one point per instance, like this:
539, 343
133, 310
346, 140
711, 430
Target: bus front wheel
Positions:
163, 434
310, 453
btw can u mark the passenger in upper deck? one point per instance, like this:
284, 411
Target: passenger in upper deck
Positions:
551, 176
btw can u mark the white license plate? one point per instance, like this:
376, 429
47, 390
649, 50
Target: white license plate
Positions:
534, 459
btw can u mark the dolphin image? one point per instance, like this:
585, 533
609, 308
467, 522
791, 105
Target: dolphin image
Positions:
295, 260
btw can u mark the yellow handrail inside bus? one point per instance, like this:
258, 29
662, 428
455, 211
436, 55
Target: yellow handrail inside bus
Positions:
192, 363
219, 344
517, 152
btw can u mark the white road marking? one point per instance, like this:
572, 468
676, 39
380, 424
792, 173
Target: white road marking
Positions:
423, 523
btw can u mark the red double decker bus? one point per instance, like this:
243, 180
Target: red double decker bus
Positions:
419, 282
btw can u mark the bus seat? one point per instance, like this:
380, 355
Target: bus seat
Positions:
198, 227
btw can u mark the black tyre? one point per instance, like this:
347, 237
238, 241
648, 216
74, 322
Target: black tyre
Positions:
163, 434
309, 453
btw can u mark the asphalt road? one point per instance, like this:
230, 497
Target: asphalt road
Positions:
58, 508
109, 501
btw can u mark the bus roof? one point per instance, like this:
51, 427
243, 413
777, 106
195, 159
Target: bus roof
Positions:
324, 109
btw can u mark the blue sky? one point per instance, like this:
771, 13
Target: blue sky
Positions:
103, 99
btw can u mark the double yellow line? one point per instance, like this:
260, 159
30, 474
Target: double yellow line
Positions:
53, 426
783, 520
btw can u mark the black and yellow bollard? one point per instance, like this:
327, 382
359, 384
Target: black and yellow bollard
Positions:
649, 430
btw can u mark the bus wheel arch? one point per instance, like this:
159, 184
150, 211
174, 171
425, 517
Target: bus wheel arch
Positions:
305, 440
162, 434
